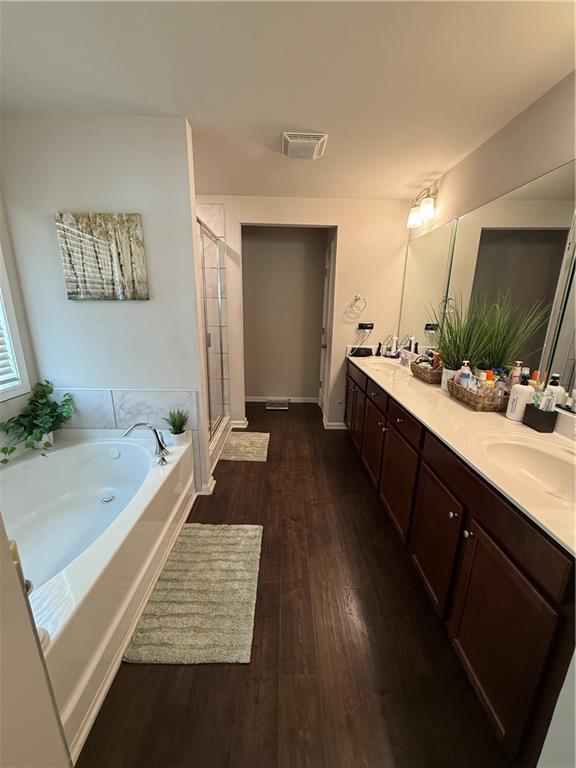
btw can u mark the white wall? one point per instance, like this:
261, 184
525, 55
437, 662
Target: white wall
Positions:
283, 288
536, 141
370, 260
108, 164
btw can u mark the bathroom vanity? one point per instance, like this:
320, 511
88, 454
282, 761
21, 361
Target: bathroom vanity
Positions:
491, 542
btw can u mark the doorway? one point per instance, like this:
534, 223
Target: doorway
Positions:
286, 282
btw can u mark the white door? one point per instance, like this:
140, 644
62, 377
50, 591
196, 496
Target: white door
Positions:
323, 387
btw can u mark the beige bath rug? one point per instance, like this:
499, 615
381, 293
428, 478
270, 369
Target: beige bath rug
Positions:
246, 446
201, 610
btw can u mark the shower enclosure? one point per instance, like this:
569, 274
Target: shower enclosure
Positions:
213, 253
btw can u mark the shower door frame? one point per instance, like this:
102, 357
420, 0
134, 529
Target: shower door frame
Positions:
218, 241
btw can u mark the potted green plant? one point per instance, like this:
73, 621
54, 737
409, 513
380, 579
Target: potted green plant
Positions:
37, 421
508, 330
178, 419
460, 335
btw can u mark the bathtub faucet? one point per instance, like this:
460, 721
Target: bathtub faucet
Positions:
160, 450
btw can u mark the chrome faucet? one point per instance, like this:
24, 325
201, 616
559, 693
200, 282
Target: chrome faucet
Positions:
160, 450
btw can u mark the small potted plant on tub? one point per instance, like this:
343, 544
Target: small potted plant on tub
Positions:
178, 419
36, 423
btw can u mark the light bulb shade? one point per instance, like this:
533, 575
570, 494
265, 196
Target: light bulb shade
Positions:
414, 217
426, 208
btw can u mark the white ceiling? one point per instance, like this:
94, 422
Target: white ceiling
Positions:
404, 89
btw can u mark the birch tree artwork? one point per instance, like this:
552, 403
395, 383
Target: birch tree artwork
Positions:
103, 256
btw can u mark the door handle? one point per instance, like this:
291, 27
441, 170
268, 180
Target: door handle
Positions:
323, 346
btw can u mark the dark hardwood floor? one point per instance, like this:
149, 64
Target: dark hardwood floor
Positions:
350, 667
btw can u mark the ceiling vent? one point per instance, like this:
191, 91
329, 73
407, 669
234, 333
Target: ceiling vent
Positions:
304, 146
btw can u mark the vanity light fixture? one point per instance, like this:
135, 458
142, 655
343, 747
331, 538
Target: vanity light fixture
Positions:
423, 209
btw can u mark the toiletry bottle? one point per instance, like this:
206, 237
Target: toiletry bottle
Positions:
516, 373
520, 395
557, 389
489, 382
534, 380
465, 375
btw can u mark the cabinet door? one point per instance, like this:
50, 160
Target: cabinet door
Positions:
374, 426
398, 479
349, 407
358, 418
502, 629
435, 536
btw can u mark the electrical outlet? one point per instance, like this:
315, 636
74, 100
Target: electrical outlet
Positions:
365, 326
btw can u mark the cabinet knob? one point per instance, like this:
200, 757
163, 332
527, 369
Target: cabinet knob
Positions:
399, 420
373, 394
468, 534
452, 514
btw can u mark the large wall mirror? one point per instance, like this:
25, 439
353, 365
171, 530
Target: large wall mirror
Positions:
517, 245
522, 244
425, 281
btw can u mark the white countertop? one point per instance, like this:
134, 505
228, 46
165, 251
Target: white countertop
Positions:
466, 431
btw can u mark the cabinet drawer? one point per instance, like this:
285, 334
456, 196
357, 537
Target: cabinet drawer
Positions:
377, 395
542, 561
409, 427
357, 376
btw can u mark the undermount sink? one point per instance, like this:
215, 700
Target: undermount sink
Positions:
544, 465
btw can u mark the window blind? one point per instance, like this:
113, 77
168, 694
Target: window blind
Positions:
9, 376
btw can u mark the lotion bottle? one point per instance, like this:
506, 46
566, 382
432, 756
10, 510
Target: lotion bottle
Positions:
557, 389
520, 395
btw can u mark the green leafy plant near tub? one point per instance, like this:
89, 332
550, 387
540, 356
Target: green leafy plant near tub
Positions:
177, 419
40, 416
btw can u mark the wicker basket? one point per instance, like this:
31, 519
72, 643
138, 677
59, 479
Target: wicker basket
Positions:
480, 400
426, 374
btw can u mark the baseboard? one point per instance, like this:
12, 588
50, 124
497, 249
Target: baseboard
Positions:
217, 443
281, 397
333, 424
208, 489
81, 735
239, 424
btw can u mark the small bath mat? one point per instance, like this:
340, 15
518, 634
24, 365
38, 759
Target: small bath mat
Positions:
246, 446
201, 610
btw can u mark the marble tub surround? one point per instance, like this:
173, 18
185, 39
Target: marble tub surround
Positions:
471, 435
120, 408
94, 408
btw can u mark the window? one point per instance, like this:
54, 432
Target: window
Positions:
13, 374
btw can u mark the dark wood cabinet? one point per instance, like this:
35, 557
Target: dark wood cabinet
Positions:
398, 479
435, 535
504, 588
349, 406
502, 629
374, 431
358, 418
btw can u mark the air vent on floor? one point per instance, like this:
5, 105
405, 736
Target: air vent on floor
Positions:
277, 405
304, 146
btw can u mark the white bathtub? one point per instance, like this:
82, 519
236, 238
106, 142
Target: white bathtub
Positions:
94, 521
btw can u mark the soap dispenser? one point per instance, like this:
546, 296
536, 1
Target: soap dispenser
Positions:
556, 389
520, 395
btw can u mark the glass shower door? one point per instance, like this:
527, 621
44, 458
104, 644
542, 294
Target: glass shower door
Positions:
213, 250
